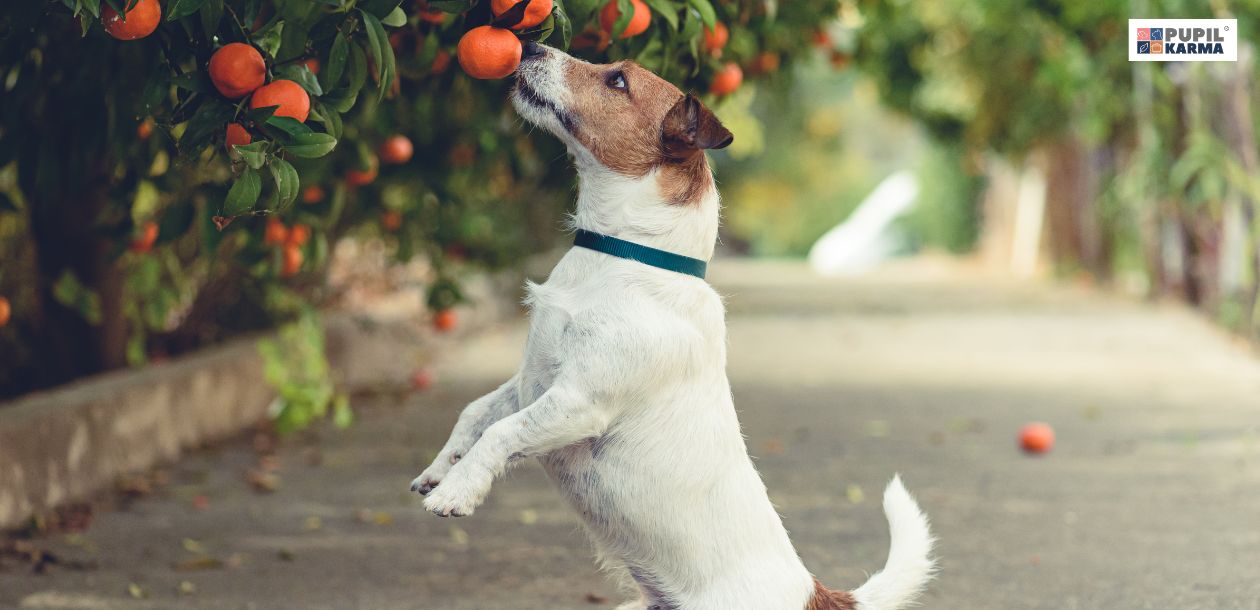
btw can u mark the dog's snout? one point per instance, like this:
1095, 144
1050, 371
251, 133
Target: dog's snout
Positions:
531, 50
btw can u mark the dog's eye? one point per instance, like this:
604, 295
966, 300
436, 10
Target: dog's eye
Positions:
617, 80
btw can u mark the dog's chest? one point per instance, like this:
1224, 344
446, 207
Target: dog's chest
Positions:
553, 306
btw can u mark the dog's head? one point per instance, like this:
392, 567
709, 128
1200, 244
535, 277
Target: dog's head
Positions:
622, 118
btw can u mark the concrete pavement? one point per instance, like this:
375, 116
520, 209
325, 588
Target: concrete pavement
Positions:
1151, 498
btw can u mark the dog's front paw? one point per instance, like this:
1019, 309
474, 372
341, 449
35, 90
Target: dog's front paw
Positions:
458, 495
433, 475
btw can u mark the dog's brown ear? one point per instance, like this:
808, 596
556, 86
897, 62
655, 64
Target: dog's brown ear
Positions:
689, 126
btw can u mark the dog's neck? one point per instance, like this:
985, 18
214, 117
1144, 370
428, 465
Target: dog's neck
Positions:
634, 209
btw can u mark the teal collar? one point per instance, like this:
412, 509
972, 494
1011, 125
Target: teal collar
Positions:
647, 255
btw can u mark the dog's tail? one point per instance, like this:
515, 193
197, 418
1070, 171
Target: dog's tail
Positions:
910, 565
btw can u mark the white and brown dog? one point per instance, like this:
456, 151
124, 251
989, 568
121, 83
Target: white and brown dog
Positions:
623, 394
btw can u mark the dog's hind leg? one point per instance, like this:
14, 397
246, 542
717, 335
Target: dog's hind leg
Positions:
473, 422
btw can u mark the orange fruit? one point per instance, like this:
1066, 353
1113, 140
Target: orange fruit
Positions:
236, 69
363, 177
822, 39
291, 98
6, 311
391, 220
441, 61
147, 237
535, 13
276, 233
140, 21
312, 194
489, 52
715, 39
639, 21
145, 129
396, 150
312, 64
299, 234
1036, 437
727, 80
421, 379
236, 135
292, 261
445, 320
766, 62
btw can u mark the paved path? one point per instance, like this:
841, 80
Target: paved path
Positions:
1150, 500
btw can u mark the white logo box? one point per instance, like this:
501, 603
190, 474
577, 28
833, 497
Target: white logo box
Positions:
1212, 32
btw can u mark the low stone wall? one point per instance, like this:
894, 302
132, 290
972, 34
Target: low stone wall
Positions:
68, 443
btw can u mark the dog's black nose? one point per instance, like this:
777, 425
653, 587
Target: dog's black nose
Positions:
532, 49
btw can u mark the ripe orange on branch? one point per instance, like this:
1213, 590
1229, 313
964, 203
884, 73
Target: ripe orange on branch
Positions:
292, 261
236, 69
715, 39
147, 237
139, 22
363, 177
298, 235
728, 79
6, 311
396, 150
489, 52
276, 233
535, 13
291, 98
639, 20
236, 136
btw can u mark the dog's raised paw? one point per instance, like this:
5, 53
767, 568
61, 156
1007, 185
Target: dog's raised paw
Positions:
445, 505
424, 484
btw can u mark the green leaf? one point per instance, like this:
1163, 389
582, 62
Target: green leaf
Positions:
205, 126
289, 125
254, 153
335, 65
197, 81
452, 6
178, 9
311, 145
303, 76
211, 15
581, 11
625, 12
287, 182
383, 53
563, 25
293, 40
329, 117
706, 12
667, 10
92, 6
243, 194
343, 416
395, 19
379, 8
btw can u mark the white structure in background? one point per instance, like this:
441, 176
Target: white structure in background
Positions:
870, 234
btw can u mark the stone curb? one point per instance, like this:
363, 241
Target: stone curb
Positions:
70, 442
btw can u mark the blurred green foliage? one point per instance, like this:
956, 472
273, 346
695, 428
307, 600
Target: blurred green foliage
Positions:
1152, 167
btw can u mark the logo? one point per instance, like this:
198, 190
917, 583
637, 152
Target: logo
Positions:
1183, 40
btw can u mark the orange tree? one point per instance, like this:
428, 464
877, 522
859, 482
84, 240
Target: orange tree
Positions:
173, 172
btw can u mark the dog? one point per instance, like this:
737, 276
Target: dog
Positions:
622, 393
